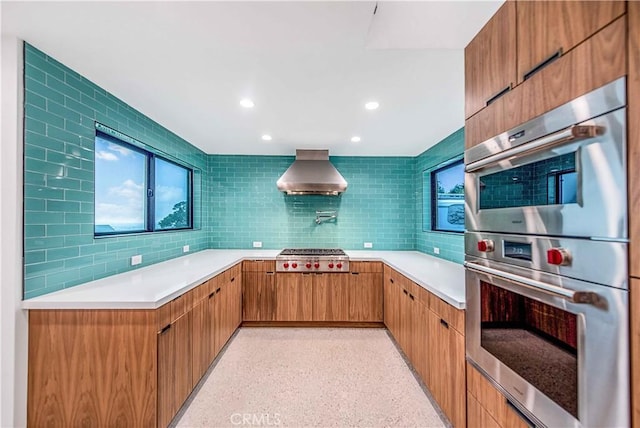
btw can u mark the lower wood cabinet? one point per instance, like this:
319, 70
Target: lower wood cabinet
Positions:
258, 290
294, 293
127, 367
430, 332
365, 292
330, 297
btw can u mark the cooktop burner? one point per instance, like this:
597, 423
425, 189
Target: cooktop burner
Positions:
312, 252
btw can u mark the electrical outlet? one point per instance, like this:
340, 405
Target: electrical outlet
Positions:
368, 245
185, 249
136, 260
257, 244
436, 250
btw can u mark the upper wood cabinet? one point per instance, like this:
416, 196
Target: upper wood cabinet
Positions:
490, 60
548, 29
589, 35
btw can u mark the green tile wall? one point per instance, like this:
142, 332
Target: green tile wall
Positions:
61, 108
377, 207
451, 244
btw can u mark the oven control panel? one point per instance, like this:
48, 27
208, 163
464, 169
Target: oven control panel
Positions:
571, 257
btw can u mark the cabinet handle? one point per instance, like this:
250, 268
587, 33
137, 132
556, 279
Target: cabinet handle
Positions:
518, 412
270, 273
217, 290
213, 293
411, 296
164, 330
391, 280
499, 94
405, 291
557, 54
444, 323
355, 273
233, 279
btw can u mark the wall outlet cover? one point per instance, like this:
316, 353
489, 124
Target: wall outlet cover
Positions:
185, 249
257, 244
368, 245
136, 260
436, 250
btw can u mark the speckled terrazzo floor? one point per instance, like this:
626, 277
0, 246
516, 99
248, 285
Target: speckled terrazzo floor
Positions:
308, 377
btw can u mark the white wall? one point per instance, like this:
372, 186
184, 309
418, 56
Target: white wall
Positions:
13, 320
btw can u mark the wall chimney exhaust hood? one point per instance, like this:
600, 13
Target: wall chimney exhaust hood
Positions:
312, 174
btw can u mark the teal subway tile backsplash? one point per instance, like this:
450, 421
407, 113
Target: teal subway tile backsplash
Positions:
451, 245
377, 206
60, 250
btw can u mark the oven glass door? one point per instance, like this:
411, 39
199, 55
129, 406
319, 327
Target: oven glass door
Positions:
551, 181
537, 341
557, 346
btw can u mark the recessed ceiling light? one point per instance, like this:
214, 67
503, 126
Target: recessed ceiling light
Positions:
371, 105
266, 137
246, 103
355, 139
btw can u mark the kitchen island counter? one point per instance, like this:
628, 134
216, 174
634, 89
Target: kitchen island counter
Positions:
152, 286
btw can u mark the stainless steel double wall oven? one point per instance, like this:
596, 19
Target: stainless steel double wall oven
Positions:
546, 263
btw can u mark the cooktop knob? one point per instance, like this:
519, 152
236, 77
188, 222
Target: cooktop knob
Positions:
486, 245
339, 265
317, 265
308, 265
294, 265
330, 265
559, 257
286, 265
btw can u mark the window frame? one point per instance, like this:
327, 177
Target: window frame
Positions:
434, 193
150, 185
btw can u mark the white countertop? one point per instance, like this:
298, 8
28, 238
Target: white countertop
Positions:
152, 286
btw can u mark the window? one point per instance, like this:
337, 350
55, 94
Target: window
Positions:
139, 191
447, 197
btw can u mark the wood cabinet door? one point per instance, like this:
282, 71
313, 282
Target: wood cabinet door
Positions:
406, 322
294, 293
421, 341
391, 304
365, 296
330, 297
235, 299
167, 406
183, 383
477, 416
200, 345
490, 60
258, 296
548, 29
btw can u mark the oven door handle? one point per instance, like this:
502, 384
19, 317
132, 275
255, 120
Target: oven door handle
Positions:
586, 297
571, 134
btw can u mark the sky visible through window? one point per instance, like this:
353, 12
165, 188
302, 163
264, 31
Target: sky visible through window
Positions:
120, 188
171, 189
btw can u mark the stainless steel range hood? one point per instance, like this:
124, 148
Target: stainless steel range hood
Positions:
312, 174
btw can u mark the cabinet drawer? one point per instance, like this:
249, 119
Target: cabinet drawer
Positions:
163, 314
259, 265
491, 400
181, 305
548, 28
454, 317
365, 266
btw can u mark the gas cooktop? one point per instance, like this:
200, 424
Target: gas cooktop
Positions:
312, 260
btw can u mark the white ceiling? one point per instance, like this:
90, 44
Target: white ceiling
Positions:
308, 66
